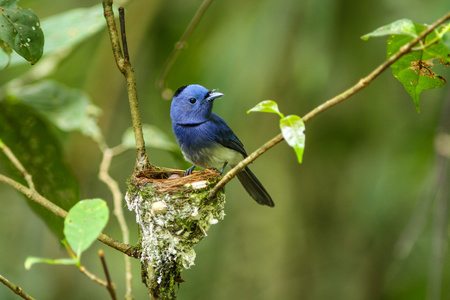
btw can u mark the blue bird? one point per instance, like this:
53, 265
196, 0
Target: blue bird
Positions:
206, 140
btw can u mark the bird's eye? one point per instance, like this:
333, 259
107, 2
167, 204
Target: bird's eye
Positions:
192, 100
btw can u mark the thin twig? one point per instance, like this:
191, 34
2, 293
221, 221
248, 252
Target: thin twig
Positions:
142, 162
161, 81
92, 276
123, 32
10, 155
55, 209
118, 208
16, 289
110, 286
35, 196
362, 83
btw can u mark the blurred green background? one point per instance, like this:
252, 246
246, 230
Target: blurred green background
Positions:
354, 221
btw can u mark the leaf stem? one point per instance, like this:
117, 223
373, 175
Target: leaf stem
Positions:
362, 83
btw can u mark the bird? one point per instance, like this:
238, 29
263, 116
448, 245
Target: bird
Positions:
207, 141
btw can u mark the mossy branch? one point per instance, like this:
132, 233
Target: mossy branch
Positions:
362, 83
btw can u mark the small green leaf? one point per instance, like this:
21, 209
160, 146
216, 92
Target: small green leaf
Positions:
403, 26
153, 136
21, 30
84, 223
31, 260
293, 130
267, 106
69, 109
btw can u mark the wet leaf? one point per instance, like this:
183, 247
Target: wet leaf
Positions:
66, 30
20, 29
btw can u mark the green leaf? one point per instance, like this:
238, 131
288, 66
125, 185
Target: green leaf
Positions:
403, 26
415, 70
153, 136
84, 223
31, 260
33, 142
69, 109
293, 130
267, 106
21, 30
65, 30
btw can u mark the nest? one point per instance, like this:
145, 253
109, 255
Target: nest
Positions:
174, 214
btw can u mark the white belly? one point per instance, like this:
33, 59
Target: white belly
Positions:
214, 158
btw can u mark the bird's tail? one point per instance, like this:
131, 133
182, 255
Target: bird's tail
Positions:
254, 187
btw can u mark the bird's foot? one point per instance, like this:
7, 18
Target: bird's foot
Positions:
189, 171
221, 170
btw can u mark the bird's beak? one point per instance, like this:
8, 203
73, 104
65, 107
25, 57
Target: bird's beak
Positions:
212, 96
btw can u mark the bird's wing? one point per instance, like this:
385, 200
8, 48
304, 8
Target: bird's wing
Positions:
225, 136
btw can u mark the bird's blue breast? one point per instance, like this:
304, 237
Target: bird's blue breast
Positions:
209, 144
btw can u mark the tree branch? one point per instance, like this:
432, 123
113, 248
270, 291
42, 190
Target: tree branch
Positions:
124, 65
10, 155
50, 206
362, 83
16, 289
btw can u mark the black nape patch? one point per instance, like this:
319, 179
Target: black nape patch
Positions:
180, 89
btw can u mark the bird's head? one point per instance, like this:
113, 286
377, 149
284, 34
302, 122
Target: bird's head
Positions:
192, 104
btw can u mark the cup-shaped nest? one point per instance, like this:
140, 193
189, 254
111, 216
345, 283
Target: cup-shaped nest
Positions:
174, 214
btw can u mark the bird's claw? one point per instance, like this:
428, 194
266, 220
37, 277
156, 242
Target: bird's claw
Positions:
189, 171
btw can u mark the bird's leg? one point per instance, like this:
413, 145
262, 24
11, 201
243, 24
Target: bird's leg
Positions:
189, 171
223, 168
